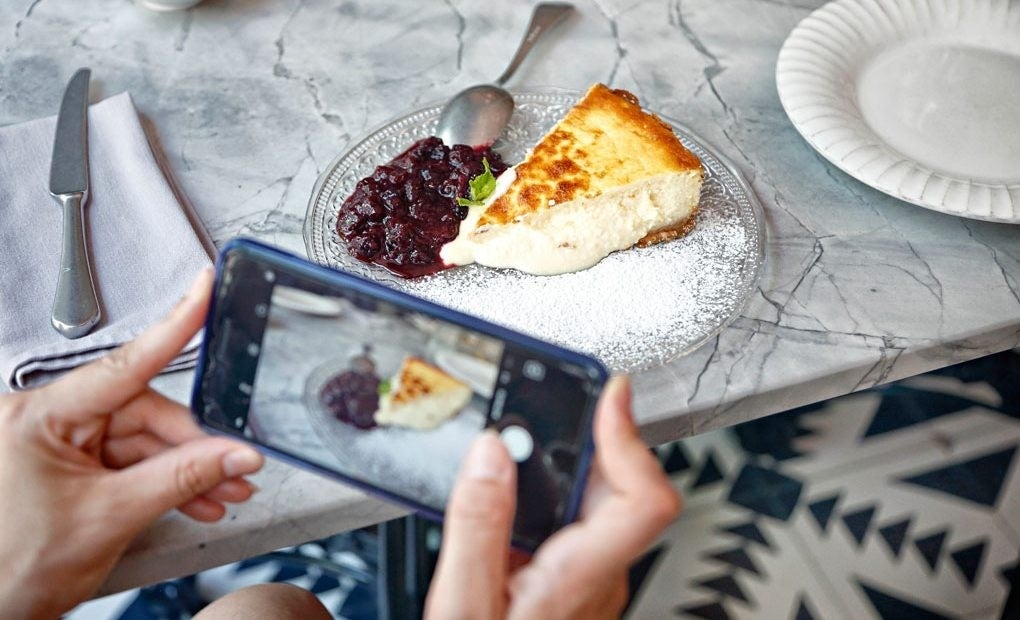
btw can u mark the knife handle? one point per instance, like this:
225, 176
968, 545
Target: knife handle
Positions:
75, 306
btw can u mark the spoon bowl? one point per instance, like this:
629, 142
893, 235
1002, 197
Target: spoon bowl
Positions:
478, 115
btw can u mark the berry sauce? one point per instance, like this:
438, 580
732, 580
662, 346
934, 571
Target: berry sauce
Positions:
401, 215
353, 395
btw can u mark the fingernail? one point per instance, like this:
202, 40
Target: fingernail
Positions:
199, 283
488, 459
618, 387
253, 488
195, 292
618, 394
240, 462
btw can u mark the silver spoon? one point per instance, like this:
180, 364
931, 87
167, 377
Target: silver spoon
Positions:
477, 116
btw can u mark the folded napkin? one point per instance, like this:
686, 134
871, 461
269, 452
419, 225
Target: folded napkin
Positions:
145, 245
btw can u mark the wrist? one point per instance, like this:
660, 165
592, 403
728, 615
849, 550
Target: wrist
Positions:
29, 590
19, 601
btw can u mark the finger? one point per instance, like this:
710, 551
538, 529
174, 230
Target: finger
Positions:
517, 559
614, 535
152, 412
180, 474
630, 484
596, 492
618, 525
640, 493
232, 491
126, 451
122, 452
109, 382
623, 459
203, 509
476, 536
209, 507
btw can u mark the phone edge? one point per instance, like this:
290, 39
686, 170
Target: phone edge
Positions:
362, 285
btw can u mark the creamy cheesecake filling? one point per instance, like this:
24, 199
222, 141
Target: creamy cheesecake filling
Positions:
423, 412
460, 251
421, 396
575, 235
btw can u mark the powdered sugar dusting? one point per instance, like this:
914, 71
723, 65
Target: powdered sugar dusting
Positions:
635, 309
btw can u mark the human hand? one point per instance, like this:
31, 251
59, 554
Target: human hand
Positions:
581, 570
89, 461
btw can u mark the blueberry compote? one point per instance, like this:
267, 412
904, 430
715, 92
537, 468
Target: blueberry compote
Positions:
401, 215
353, 395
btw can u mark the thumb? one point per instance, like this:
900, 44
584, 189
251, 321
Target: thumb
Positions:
176, 476
470, 580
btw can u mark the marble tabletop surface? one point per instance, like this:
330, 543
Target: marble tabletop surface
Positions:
251, 99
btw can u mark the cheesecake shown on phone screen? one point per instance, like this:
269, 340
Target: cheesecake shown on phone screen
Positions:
420, 396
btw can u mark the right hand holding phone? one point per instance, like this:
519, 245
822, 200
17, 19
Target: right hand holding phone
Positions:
579, 572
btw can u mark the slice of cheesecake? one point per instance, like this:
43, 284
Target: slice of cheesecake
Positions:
607, 177
421, 396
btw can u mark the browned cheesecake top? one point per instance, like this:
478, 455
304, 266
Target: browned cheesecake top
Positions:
606, 140
417, 378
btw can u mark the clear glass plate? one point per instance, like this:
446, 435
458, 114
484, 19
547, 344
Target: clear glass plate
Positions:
636, 309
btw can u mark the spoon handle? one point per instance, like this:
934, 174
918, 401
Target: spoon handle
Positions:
544, 17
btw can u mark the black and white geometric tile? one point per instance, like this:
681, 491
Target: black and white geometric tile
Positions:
897, 502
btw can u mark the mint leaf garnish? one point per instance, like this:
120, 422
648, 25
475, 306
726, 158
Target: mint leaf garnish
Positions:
384, 387
481, 187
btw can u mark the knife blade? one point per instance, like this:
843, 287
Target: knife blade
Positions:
75, 304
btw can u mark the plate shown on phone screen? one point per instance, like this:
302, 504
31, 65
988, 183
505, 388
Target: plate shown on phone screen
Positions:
635, 309
410, 462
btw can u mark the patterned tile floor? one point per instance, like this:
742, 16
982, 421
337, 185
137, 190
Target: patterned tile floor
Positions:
898, 502
902, 502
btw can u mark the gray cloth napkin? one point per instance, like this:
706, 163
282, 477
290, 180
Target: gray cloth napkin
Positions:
145, 245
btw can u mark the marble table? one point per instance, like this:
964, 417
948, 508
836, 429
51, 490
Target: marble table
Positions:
251, 99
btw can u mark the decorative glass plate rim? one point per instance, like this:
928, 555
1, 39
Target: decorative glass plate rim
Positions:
804, 71
316, 237
318, 415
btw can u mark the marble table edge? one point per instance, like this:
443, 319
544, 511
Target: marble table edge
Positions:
732, 409
146, 564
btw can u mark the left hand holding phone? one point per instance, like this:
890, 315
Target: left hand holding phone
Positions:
92, 459
581, 570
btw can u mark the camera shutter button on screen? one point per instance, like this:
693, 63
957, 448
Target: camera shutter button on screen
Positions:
534, 370
518, 442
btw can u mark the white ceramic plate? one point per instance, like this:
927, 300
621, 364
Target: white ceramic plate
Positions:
917, 98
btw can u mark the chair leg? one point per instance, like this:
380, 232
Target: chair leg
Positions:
405, 567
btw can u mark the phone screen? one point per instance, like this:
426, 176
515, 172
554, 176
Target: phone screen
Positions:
391, 395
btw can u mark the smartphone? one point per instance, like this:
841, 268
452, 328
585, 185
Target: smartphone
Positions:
385, 391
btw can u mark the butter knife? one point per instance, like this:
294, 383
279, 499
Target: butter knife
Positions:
75, 305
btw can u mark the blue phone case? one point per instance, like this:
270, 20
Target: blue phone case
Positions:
279, 259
